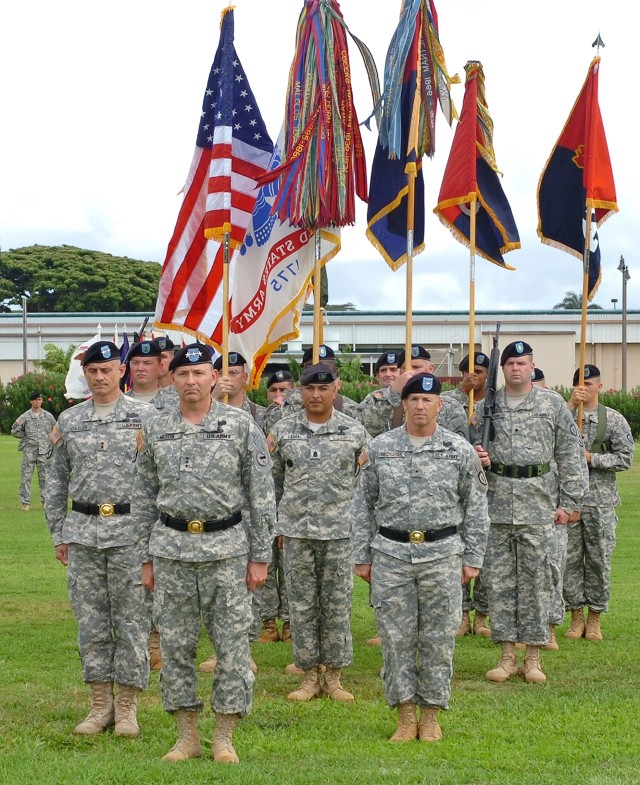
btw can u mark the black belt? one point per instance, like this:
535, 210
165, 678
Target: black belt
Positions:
197, 526
103, 510
432, 536
520, 472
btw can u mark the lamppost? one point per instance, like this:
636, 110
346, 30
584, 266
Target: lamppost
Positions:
625, 277
614, 300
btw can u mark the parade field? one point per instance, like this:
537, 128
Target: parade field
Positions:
583, 726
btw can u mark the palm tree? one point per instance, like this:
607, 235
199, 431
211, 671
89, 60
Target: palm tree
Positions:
573, 302
56, 360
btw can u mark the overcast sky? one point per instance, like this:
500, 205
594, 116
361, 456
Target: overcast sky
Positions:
100, 104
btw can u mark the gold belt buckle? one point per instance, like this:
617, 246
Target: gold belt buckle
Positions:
106, 510
416, 537
195, 527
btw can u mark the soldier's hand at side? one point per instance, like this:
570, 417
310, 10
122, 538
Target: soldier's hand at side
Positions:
484, 457
62, 554
148, 578
280, 540
256, 574
363, 571
562, 517
574, 516
468, 573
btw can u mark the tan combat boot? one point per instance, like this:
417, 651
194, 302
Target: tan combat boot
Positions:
532, 668
101, 713
465, 625
208, 666
592, 629
508, 665
222, 750
429, 728
269, 632
292, 669
286, 632
480, 626
188, 743
333, 689
25, 508
553, 643
309, 689
155, 657
577, 628
126, 704
407, 728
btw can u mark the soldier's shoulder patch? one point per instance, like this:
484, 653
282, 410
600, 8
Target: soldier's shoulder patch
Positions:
139, 441
280, 400
363, 458
482, 477
55, 436
271, 442
262, 459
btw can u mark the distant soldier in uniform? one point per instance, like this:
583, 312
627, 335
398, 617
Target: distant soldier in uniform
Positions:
421, 527
272, 597
609, 449
94, 461
33, 429
382, 409
292, 402
473, 379
317, 455
532, 429
201, 467
537, 378
167, 350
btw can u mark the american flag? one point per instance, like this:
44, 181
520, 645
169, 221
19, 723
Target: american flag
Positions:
233, 149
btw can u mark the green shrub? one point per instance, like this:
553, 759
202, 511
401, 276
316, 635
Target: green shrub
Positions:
627, 403
14, 396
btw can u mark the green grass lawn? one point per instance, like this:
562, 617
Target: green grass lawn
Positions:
583, 726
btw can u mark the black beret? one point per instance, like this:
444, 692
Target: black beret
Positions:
590, 372
193, 354
387, 358
423, 383
279, 376
417, 353
480, 358
101, 352
318, 374
164, 344
537, 375
144, 349
515, 349
324, 353
34, 395
235, 359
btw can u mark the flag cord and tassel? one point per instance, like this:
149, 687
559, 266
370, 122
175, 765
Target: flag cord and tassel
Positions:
472, 294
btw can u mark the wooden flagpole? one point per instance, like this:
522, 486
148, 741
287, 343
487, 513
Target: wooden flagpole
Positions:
317, 294
585, 300
225, 307
411, 199
472, 294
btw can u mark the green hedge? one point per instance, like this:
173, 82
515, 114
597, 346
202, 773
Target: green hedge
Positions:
627, 403
14, 396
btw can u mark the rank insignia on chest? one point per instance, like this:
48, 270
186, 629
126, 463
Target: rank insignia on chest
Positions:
314, 454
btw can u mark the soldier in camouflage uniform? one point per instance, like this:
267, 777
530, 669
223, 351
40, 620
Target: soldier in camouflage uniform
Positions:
382, 409
201, 468
418, 477
532, 429
317, 455
473, 379
167, 350
609, 448
33, 429
272, 598
291, 402
94, 460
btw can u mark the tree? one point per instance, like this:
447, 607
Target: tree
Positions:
68, 279
56, 360
573, 302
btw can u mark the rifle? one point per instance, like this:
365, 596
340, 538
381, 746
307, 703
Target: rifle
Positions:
139, 336
490, 392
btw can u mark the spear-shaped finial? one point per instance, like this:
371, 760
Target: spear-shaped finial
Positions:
599, 43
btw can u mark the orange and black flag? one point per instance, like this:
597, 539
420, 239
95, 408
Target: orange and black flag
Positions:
577, 178
472, 171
